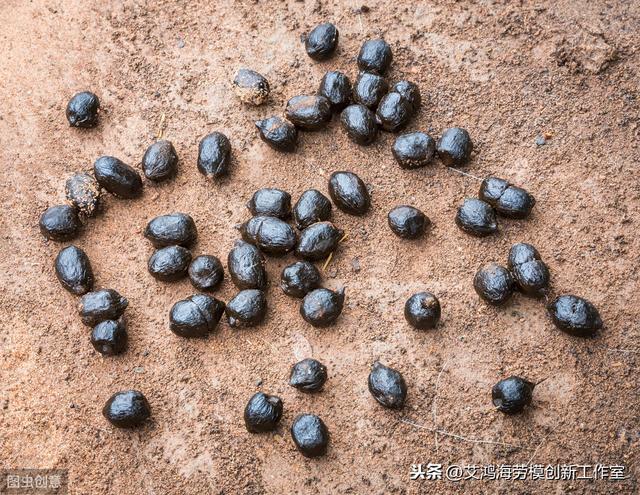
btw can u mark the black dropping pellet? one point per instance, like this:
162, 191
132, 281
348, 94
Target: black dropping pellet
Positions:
308, 112
82, 110
414, 149
349, 193
508, 200
375, 56
196, 316
387, 386
336, 87
409, 92
104, 304
308, 375
262, 413
60, 223
270, 234
278, 133
318, 241
422, 310
117, 177
394, 112
169, 263
214, 155
530, 273
270, 202
160, 161
206, 272
73, 270
322, 41
251, 87
300, 278
575, 316
493, 283
172, 229
512, 394
369, 89
127, 409
477, 218
248, 308
246, 266
321, 307
83, 192
455, 147
360, 124
109, 337
311, 207
310, 435
408, 222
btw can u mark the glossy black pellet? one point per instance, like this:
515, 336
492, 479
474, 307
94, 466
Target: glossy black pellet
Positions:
477, 218
375, 56
117, 177
360, 124
270, 234
321, 307
387, 386
512, 394
308, 112
408, 222
109, 337
311, 207
414, 149
83, 192
300, 278
349, 193
246, 266
394, 112
575, 316
278, 133
530, 273
206, 272
308, 375
310, 435
104, 304
270, 202
409, 92
127, 409
82, 110
509, 201
336, 87
248, 308
369, 89
493, 283
322, 41
262, 413
455, 147
196, 316
422, 310
73, 270
169, 263
318, 241
251, 87
172, 229
60, 223
160, 161
214, 155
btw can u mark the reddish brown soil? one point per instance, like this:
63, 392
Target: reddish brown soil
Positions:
567, 69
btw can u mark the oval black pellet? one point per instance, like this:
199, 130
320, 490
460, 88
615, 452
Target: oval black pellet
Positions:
387, 386
172, 229
409, 92
512, 394
308, 375
530, 273
414, 149
349, 193
322, 41
408, 222
477, 218
270, 202
170, 263
206, 272
575, 315
117, 177
375, 56
321, 307
270, 234
262, 413
308, 112
109, 337
104, 304
60, 223
82, 110
493, 283
300, 278
508, 200
455, 147
160, 161
310, 435
311, 207
127, 409
369, 89
83, 192
73, 270
360, 124
251, 87
278, 133
422, 310
214, 155
246, 266
248, 308
394, 112
318, 241
335, 87
196, 316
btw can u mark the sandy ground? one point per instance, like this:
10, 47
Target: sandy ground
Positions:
565, 69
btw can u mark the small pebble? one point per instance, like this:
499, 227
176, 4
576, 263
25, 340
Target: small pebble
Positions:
349, 193
300, 278
196, 316
408, 222
414, 149
60, 223
477, 218
246, 266
272, 235
308, 375
455, 147
83, 192
530, 273
369, 89
387, 386
360, 124
169, 263
422, 310
321, 307
310, 435
308, 112
206, 272
262, 413
575, 315
311, 207
73, 270
82, 110
322, 41
512, 394
248, 308
318, 241
160, 161
104, 304
127, 409
336, 87
394, 112
493, 283
278, 133
270, 202
172, 229
109, 337
251, 87
117, 177
214, 155
508, 200
375, 56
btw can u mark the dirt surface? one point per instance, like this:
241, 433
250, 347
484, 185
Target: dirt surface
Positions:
564, 72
